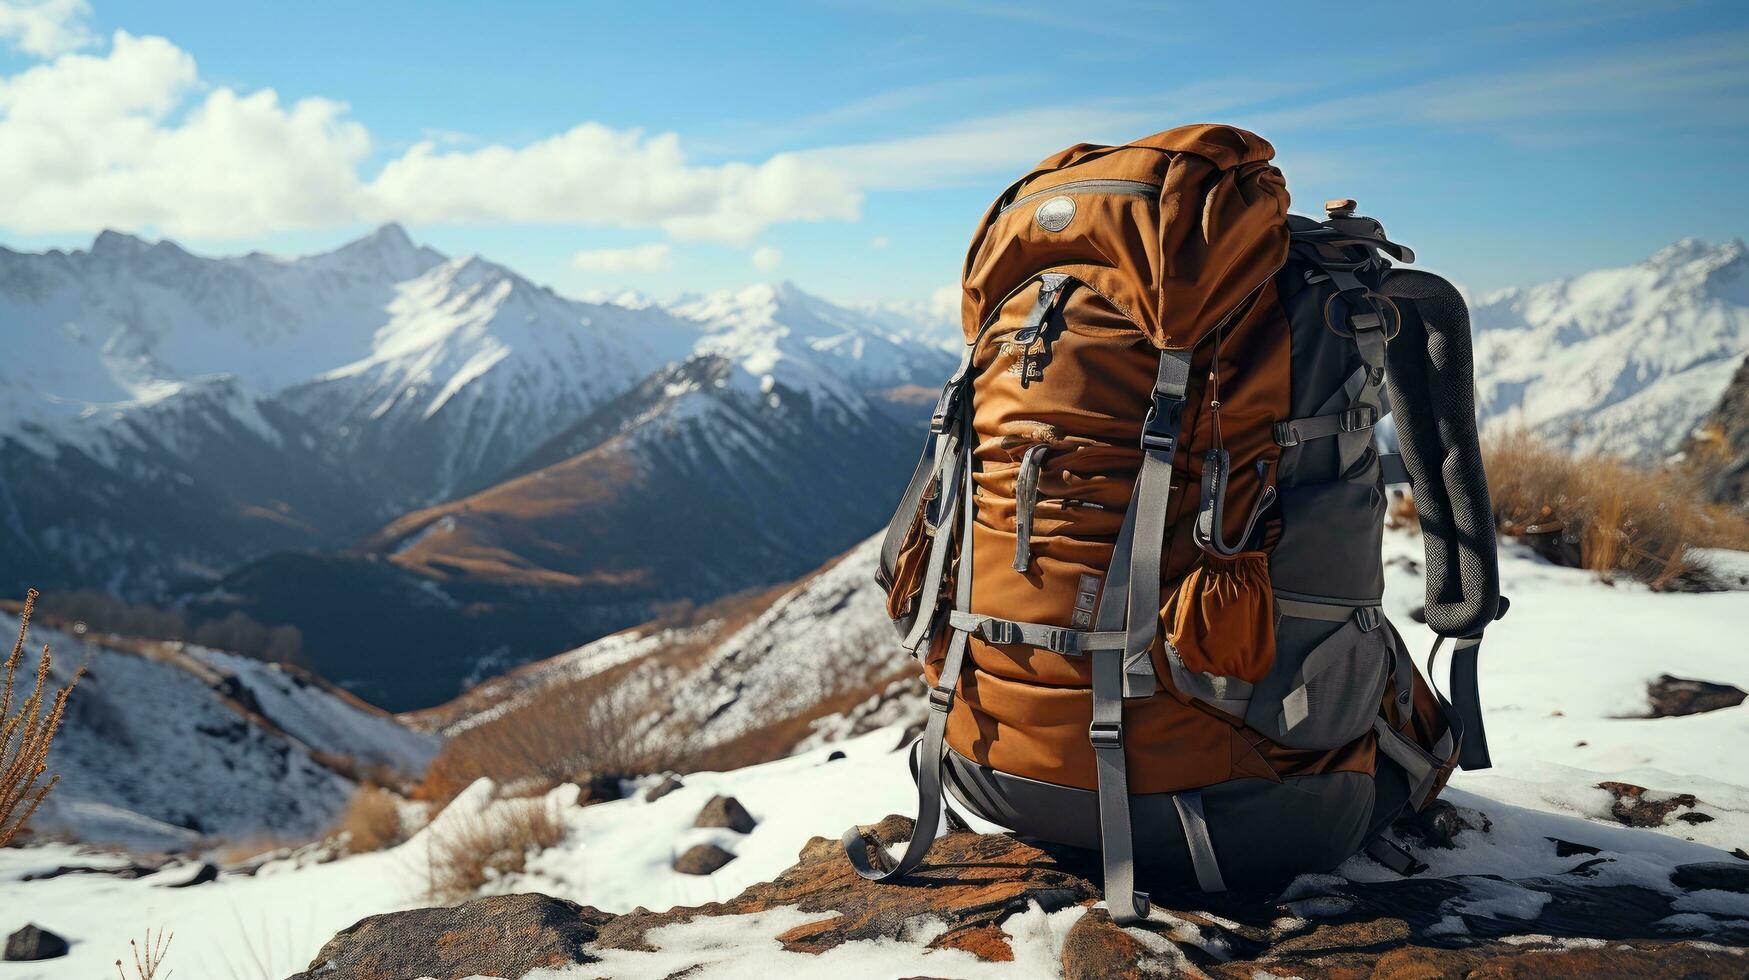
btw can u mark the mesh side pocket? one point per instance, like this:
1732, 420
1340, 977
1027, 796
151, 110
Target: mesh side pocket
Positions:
1333, 691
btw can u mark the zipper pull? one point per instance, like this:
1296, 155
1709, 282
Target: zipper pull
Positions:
1050, 287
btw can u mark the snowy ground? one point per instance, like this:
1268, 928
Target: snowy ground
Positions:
1562, 677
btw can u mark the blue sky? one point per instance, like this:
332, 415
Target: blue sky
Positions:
850, 146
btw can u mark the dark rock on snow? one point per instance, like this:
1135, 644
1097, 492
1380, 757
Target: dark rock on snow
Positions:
726, 811
502, 936
599, 788
1675, 696
666, 786
34, 943
702, 859
207, 873
973, 883
1719, 875
1638, 806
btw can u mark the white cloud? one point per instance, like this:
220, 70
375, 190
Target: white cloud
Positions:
45, 28
655, 257
128, 139
879, 241
767, 258
593, 175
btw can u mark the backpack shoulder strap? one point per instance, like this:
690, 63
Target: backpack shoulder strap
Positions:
1432, 391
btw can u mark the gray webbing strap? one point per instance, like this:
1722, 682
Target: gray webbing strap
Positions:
1230, 694
1464, 709
929, 756
1351, 445
952, 464
1057, 639
1420, 767
928, 463
1152, 496
1353, 419
1117, 847
1025, 501
1196, 837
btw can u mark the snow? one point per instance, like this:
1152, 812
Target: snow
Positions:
1570, 645
165, 744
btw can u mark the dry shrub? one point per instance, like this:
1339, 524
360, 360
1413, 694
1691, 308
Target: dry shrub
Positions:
371, 821
148, 959
566, 732
1606, 514
25, 736
466, 854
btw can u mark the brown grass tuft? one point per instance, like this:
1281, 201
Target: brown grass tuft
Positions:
26, 736
562, 733
467, 854
1607, 515
371, 821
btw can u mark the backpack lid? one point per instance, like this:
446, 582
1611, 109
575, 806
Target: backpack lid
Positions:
1175, 229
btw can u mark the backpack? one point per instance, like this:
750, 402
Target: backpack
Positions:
1139, 561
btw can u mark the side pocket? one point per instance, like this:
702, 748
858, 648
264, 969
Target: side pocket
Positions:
1331, 667
1220, 631
908, 569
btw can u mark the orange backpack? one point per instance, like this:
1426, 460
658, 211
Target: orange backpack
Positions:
1139, 561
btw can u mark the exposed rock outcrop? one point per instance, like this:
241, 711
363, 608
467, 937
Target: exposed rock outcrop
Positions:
501, 936
963, 897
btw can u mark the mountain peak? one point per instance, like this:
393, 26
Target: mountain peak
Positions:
112, 242
1685, 251
388, 249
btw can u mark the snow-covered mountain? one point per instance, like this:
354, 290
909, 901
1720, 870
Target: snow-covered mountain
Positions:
760, 670
1627, 360
352, 386
168, 743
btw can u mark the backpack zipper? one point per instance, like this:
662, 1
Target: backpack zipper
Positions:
1140, 188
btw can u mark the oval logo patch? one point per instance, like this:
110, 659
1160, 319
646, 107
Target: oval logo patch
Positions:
1055, 214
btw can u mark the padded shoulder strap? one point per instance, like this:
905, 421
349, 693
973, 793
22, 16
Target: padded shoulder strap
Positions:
1432, 388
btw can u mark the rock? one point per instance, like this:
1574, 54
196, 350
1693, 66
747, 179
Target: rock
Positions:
206, 874
1718, 448
668, 785
1638, 806
598, 788
501, 936
1720, 875
34, 943
726, 811
1533, 957
835, 756
971, 885
1675, 696
131, 870
702, 859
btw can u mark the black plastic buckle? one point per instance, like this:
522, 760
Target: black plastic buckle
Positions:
1063, 641
946, 409
1285, 436
1106, 735
1367, 618
1000, 631
1165, 419
941, 698
1359, 417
